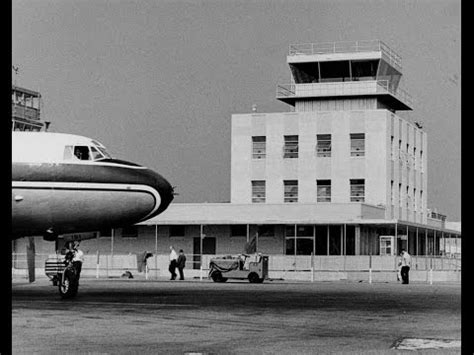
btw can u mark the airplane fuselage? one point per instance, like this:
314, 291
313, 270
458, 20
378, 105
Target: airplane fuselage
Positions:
57, 190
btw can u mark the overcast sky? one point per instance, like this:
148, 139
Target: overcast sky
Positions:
158, 81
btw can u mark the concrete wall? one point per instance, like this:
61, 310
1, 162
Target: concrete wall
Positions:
383, 161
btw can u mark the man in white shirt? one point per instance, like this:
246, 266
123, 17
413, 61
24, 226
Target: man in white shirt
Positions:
173, 263
406, 263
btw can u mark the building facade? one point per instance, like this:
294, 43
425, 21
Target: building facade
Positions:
26, 110
344, 142
342, 173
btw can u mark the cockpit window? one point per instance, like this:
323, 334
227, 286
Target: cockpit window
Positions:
81, 152
104, 152
96, 155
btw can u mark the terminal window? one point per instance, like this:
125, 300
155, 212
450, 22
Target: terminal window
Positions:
290, 150
176, 231
323, 145
259, 149
238, 230
266, 230
258, 191
290, 191
357, 144
323, 190
357, 190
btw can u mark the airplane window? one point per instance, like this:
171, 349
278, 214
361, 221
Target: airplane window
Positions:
81, 152
67, 152
104, 152
96, 155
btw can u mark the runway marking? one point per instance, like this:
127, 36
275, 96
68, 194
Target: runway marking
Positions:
420, 343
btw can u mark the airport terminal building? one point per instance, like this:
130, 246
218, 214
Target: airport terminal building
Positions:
342, 173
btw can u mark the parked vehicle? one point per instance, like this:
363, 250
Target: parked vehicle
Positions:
230, 267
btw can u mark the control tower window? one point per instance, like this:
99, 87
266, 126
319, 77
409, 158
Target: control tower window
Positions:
81, 152
364, 70
335, 71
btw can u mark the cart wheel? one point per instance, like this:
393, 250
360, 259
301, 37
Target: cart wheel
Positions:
68, 285
253, 277
217, 277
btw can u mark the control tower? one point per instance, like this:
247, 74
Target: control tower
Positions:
26, 110
342, 71
342, 144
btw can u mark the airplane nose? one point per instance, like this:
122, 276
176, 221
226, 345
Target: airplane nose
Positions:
164, 188
132, 173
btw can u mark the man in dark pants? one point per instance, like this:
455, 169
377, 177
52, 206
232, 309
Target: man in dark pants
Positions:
406, 263
173, 259
181, 263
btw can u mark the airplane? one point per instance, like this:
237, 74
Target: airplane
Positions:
65, 183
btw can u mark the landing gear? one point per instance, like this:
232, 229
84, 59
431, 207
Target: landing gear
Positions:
68, 283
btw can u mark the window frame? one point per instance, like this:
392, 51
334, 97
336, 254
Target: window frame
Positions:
355, 150
288, 194
259, 142
323, 151
357, 183
256, 185
320, 184
291, 147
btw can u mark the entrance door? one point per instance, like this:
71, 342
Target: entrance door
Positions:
208, 247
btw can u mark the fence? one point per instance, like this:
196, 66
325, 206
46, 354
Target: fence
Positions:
301, 267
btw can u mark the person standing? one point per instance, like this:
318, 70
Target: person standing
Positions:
173, 262
181, 263
406, 264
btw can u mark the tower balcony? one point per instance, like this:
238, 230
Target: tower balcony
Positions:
382, 89
354, 50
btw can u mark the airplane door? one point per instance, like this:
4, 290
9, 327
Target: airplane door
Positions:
208, 247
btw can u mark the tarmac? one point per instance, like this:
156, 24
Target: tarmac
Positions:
129, 316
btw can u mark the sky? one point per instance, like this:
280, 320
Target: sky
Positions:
157, 81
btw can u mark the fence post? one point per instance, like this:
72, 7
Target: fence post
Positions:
370, 268
200, 269
312, 267
97, 266
431, 271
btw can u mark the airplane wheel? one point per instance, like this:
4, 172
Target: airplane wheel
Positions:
68, 286
253, 277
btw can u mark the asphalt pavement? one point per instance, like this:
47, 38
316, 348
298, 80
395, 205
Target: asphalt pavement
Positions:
121, 316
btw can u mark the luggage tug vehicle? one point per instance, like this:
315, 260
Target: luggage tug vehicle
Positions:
230, 267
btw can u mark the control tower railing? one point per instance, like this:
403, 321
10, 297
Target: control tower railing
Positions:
348, 47
369, 87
